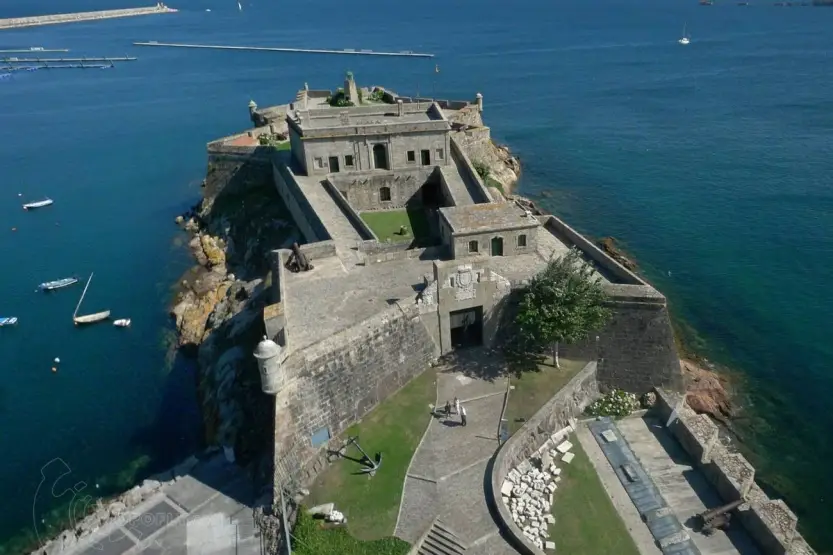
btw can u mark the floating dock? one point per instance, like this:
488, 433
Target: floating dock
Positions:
34, 21
63, 60
404, 53
65, 66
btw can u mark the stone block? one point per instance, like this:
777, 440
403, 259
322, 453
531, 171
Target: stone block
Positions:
568, 457
564, 447
506, 488
550, 546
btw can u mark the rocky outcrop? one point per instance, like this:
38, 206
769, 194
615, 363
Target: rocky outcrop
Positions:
707, 392
608, 244
218, 309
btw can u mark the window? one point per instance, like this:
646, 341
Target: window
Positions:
384, 194
521, 241
439, 154
426, 157
319, 163
348, 160
411, 156
472, 246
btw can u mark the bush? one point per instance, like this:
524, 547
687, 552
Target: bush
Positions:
617, 404
482, 170
311, 538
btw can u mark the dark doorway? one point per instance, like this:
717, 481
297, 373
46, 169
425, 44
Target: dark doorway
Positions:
466, 328
426, 157
380, 157
334, 164
432, 195
497, 246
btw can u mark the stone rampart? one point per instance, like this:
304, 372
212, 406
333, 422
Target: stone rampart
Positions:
232, 172
568, 403
474, 184
364, 230
335, 382
770, 523
386, 252
302, 212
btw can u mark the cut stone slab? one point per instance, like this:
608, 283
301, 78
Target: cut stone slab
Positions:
506, 488
564, 447
322, 510
549, 545
609, 436
568, 457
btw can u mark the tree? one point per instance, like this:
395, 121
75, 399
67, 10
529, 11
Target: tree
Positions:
562, 304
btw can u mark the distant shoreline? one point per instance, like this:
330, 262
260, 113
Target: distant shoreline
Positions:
34, 21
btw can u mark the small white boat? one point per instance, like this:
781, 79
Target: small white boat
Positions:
685, 38
38, 204
122, 323
88, 318
57, 284
8, 321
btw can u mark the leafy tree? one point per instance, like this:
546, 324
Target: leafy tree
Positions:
562, 304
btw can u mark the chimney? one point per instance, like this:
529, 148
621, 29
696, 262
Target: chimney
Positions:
400, 107
350, 89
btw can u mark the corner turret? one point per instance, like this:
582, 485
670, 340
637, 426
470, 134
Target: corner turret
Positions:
479, 101
268, 355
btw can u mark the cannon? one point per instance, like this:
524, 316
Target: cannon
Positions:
717, 518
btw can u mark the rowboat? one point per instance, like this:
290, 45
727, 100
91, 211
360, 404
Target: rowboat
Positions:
122, 323
57, 284
38, 204
88, 318
8, 321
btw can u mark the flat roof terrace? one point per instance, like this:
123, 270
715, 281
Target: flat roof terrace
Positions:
480, 218
368, 120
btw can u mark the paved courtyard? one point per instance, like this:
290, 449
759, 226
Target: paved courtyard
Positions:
448, 473
207, 512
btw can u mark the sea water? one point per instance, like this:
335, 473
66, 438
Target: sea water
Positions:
710, 162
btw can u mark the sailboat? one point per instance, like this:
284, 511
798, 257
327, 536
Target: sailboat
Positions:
88, 318
239, 6
685, 39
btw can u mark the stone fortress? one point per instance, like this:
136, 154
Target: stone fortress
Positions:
370, 315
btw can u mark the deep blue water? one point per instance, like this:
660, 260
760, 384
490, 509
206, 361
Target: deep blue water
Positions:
710, 162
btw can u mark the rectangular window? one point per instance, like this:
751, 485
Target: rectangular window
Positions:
439, 154
521, 241
472, 246
319, 163
426, 157
412, 156
348, 161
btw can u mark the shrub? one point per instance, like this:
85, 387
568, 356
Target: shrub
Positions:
617, 404
482, 170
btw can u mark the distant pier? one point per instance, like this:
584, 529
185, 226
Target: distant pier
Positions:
33, 50
62, 60
404, 53
33, 21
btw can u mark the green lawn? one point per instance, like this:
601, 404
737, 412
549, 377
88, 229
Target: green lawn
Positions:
312, 538
533, 388
385, 225
285, 145
394, 428
585, 519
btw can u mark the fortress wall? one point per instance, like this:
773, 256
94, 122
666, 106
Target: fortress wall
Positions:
302, 212
569, 402
233, 171
770, 523
334, 383
362, 188
386, 252
364, 230
470, 177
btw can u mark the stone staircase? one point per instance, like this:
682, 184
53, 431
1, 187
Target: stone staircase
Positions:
440, 540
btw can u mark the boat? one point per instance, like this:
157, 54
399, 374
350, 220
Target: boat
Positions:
57, 284
88, 318
8, 321
122, 323
38, 204
685, 38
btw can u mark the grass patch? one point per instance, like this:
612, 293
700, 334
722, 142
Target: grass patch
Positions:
282, 146
491, 182
312, 538
394, 428
385, 225
533, 388
585, 519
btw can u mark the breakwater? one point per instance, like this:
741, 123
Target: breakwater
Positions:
64, 60
404, 53
16, 22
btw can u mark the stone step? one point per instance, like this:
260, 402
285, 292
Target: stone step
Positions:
441, 541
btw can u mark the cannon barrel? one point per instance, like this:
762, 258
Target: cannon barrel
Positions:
706, 516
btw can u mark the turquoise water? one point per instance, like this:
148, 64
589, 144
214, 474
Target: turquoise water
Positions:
710, 162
